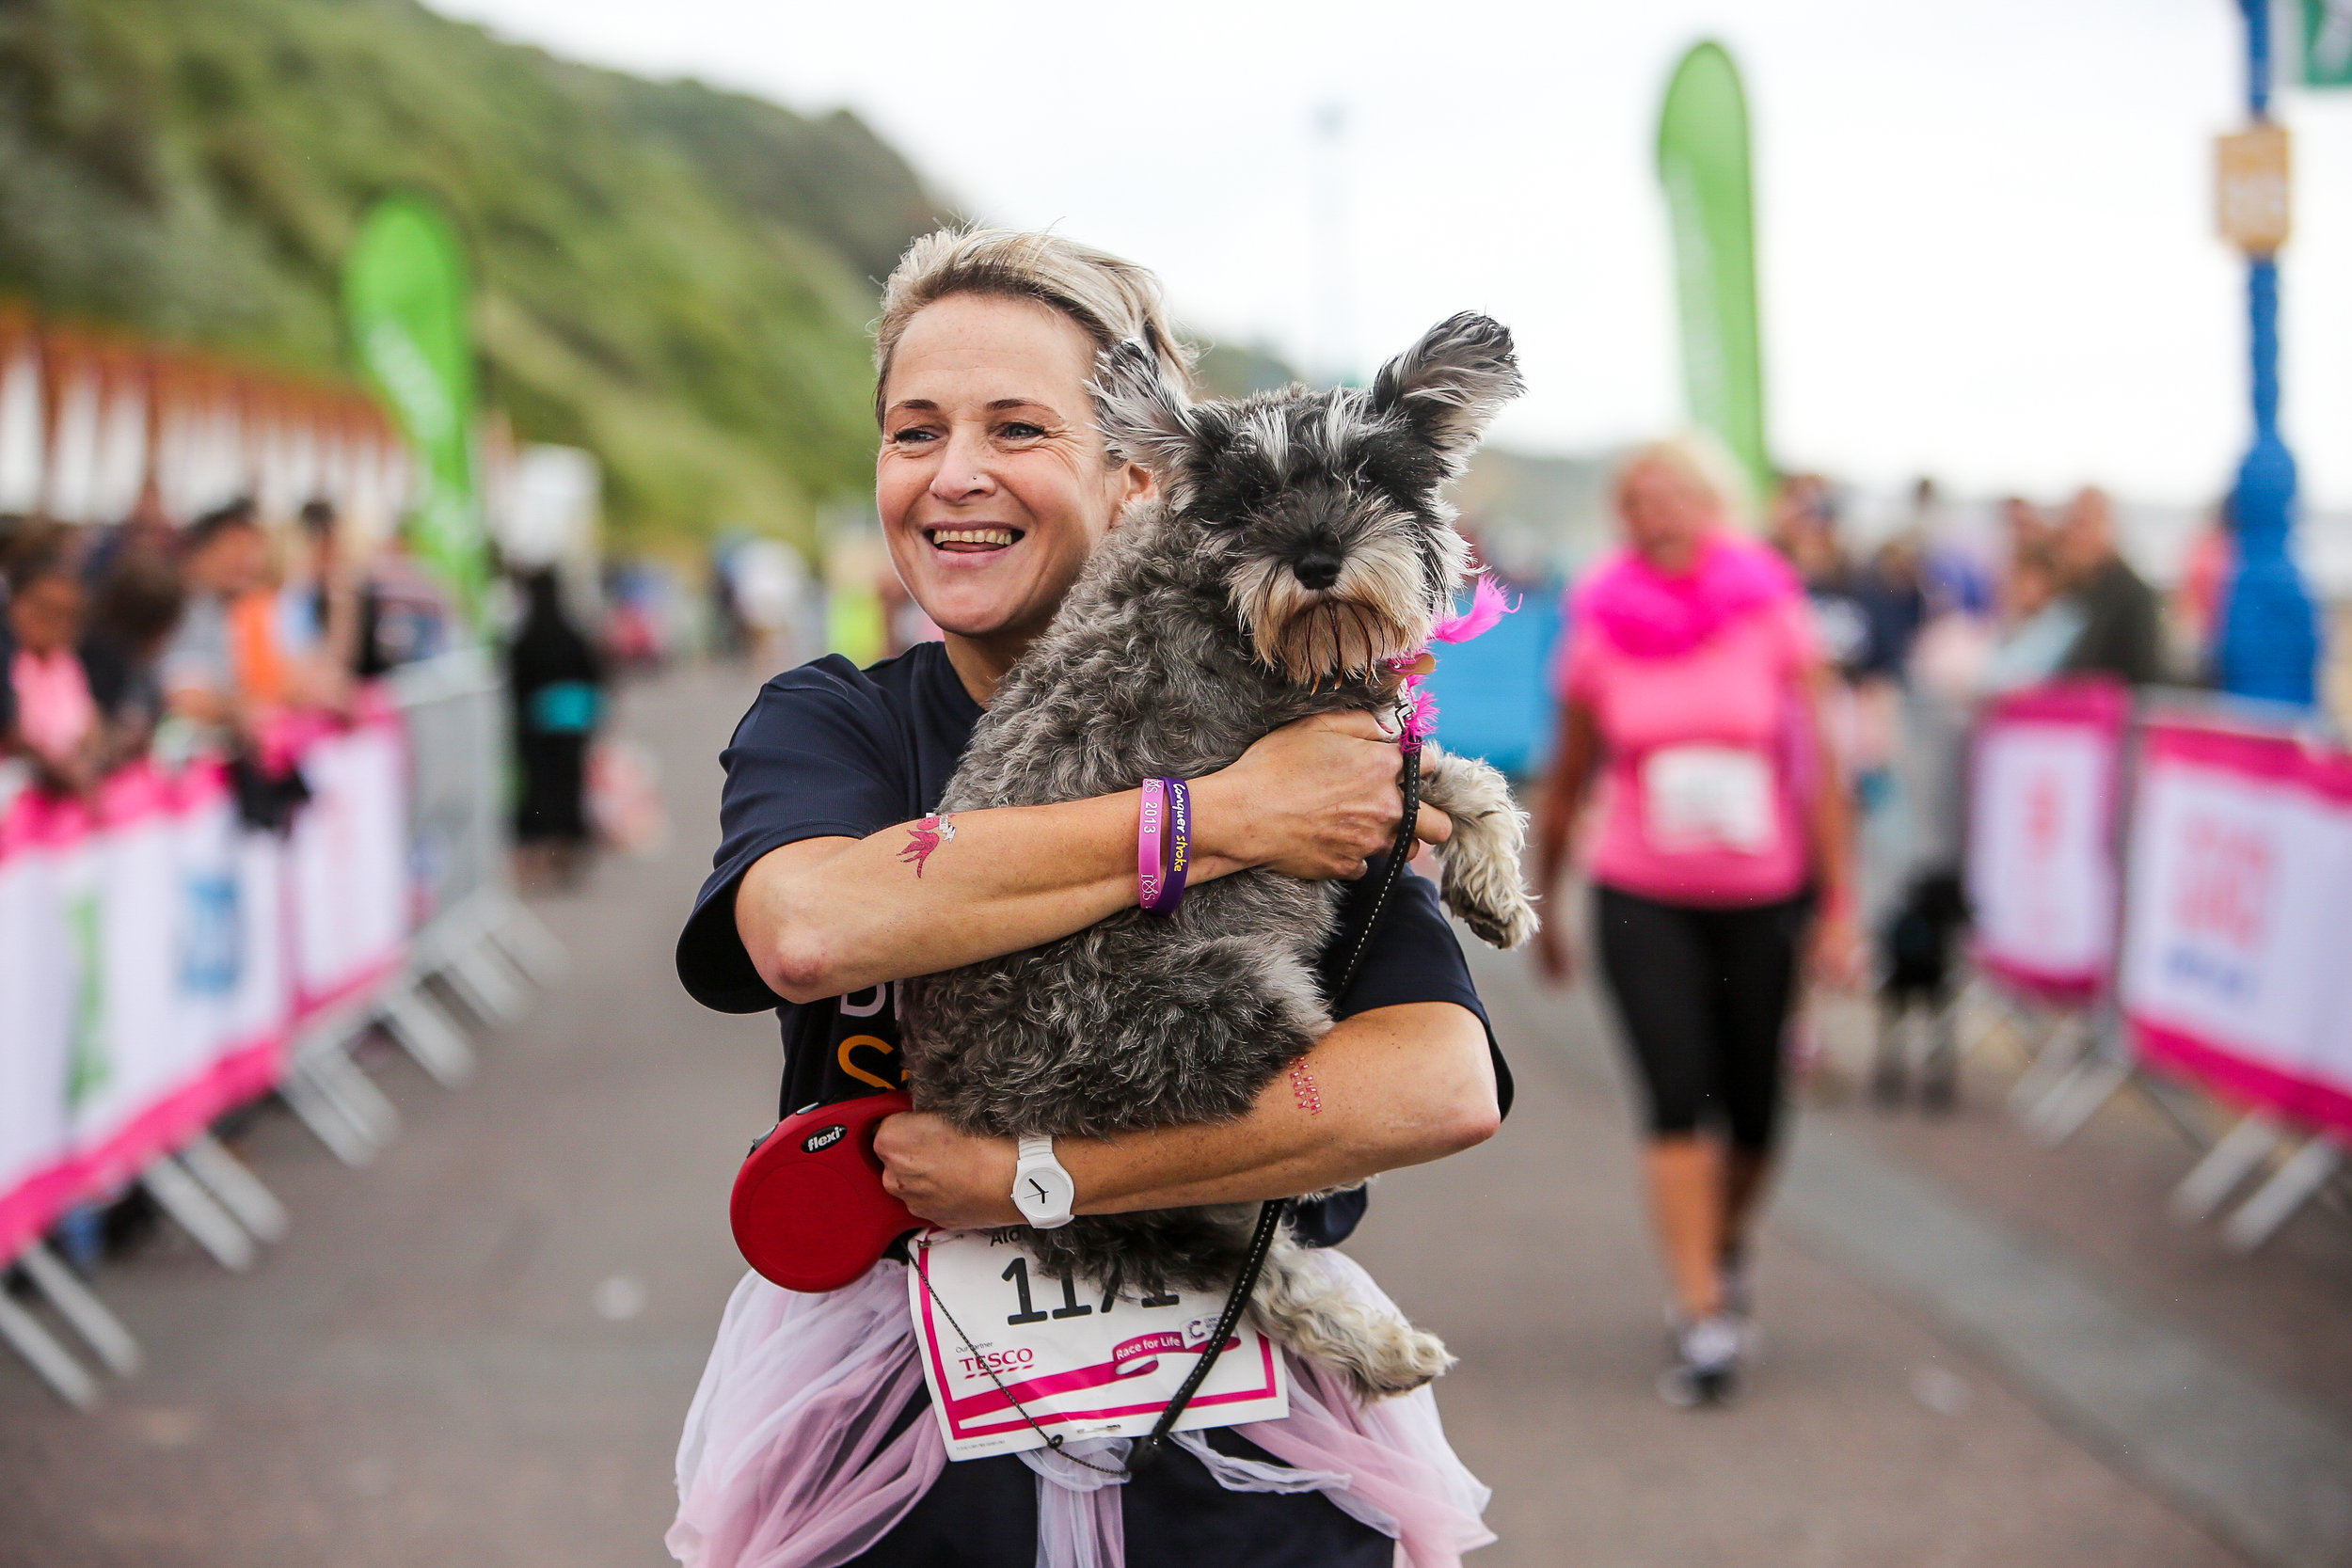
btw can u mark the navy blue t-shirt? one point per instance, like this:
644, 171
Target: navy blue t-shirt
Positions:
830, 750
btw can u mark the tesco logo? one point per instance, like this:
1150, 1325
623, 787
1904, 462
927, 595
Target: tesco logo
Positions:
998, 1361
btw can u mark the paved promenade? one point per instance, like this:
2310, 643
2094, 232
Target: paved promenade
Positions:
479, 1350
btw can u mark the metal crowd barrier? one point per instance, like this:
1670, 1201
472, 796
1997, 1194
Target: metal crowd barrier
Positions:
472, 931
2090, 1026
467, 933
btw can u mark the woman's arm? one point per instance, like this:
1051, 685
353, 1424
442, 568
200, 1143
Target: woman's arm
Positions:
828, 916
1565, 786
1837, 948
1561, 802
1394, 1086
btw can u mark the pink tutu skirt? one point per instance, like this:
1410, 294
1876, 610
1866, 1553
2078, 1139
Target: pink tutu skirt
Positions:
783, 1463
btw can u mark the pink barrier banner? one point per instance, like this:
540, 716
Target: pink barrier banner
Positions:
2044, 780
348, 871
2234, 968
37, 1178
156, 955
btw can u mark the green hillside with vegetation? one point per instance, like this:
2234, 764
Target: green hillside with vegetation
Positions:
677, 278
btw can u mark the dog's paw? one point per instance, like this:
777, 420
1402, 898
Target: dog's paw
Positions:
1363, 1341
1504, 928
1482, 881
1383, 1364
1487, 893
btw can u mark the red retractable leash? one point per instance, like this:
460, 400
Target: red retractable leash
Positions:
809, 1210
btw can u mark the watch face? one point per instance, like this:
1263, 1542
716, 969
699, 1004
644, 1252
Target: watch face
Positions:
1042, 1189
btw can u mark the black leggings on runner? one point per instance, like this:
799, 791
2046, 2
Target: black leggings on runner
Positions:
1704, 995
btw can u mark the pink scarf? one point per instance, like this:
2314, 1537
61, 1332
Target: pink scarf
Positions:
1650, 614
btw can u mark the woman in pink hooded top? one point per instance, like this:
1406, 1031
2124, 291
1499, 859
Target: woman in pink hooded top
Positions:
1687, 692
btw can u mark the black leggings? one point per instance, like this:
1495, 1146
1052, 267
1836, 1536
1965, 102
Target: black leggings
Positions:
1704, 995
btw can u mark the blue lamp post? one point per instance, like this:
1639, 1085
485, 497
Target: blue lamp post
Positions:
2269, 643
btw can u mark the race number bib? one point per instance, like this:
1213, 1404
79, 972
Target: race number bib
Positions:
999, 1338
1699, 797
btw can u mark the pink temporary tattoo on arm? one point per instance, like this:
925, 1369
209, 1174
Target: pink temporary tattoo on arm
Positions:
925, 836
1303, 1090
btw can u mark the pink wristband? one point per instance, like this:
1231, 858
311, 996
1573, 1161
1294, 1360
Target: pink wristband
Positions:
1147, 820
1163, 845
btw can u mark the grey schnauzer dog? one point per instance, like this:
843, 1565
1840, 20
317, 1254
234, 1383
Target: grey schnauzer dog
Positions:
1297, 559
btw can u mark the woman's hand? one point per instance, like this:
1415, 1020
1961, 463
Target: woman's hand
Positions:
1555, 954
1837, 956
75, 774
954, 1180
1315, 799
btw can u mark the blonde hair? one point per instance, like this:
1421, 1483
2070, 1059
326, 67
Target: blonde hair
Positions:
1700, 460
1110, 299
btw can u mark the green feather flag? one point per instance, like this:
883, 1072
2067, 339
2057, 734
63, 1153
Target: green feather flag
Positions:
406, 296
1703, 165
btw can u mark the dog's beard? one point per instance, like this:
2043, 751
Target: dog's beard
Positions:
1377, 612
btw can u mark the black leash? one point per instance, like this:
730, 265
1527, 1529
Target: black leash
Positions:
1399, 853
1146, 1450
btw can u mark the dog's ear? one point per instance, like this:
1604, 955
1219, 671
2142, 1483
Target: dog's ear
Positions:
1143, 419
1451, 383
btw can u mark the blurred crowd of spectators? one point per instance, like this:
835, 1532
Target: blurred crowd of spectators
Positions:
115, 640
2054, 596
1923, 629
1962, 618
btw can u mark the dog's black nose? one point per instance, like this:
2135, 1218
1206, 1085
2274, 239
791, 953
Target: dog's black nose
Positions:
1319, 568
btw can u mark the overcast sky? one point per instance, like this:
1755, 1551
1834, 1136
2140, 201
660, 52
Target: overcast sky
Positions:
1985, 228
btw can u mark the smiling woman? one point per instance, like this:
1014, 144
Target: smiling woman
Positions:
811, 1440
992, 483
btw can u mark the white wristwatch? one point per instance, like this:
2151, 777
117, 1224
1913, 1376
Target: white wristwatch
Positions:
1041, 1190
